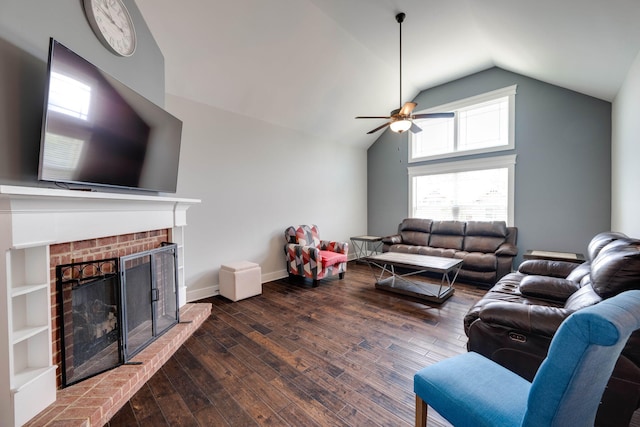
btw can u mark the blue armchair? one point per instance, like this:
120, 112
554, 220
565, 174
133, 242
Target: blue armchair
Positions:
471, 390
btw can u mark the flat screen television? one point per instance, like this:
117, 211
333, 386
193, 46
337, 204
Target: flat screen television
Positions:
97, 131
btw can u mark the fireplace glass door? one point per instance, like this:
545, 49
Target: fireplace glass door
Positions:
111, 309
89, 302
150, 304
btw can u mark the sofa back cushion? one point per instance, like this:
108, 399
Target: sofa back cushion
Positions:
601, 240
485, 236
447, 234
415, 231
616, 268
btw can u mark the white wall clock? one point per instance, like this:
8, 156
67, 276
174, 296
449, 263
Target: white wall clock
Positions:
111, 22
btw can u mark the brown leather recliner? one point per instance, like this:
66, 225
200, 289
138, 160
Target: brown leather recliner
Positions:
514, 322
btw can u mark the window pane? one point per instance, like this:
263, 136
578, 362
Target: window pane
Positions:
479, 195
484, 125
436, 137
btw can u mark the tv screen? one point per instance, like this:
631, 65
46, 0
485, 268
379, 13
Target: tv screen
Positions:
97, 131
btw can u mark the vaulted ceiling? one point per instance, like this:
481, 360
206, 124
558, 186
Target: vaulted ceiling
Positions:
313, 65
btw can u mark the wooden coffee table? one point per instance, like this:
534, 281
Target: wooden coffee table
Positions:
391, 280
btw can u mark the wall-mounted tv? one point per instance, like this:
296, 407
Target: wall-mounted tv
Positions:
97, 131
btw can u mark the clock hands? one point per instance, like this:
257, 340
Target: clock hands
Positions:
107, 12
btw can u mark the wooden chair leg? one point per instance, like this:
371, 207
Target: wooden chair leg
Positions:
421, 412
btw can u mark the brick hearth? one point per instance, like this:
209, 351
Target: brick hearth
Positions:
94, 401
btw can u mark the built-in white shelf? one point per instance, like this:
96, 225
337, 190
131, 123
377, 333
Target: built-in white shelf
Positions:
26, 333
22, 290
32, 219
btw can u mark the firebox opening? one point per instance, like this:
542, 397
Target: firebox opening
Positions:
112, 309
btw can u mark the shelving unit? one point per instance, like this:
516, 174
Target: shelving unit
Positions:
177, 237
32, 219
30, 367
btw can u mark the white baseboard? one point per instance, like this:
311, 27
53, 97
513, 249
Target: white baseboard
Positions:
198, 294
275, 275
212, 291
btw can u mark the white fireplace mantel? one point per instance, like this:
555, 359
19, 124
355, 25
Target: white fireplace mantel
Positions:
32, 219
46, 216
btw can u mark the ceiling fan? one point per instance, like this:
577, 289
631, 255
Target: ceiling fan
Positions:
401, 119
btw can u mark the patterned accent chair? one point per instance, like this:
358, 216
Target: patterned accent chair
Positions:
310, 257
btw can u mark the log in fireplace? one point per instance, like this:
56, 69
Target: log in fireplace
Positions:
111, 309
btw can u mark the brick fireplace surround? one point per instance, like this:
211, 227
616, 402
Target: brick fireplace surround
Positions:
41, 228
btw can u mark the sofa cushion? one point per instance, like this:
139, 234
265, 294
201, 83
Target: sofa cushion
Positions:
422, 250
484, 244
601, 240
477, 261
441, 252
546, 287
447, 234
417, 238
583, 297
415, 224
577, 274
446, 241
448, 227
616, 268
487, 228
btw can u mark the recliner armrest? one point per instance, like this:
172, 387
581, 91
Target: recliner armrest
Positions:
536, 319
507, 249
545, 267
392, 240
546, 287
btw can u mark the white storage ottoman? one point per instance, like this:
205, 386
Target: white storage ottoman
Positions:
240, 280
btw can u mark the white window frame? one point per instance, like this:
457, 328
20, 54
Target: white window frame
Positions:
509, 91
508, 161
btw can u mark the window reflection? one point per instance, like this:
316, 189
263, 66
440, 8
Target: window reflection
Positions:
61, 156
69, 96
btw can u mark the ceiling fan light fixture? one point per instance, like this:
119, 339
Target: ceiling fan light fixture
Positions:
400, 126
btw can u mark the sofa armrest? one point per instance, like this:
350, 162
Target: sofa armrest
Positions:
507, 249
544, 267
545, 287
535, 319
339, 247
392, 240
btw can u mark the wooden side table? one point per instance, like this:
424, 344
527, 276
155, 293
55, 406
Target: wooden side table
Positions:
364, 246
554, 256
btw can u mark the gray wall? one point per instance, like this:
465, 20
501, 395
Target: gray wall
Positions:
254, 179
25, 29
563, 165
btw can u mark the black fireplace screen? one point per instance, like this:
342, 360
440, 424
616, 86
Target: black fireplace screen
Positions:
111, 309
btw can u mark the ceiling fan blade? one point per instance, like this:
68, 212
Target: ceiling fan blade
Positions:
433, 116
378, 128
415, 128
373, 117
407, 108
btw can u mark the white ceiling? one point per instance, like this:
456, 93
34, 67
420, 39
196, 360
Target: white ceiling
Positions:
313, 65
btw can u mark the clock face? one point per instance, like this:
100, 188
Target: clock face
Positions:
112, 24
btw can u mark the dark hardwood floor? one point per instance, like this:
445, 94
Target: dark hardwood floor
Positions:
340, 354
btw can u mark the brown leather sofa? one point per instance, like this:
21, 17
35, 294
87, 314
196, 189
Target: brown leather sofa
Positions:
487, 247
514, 322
